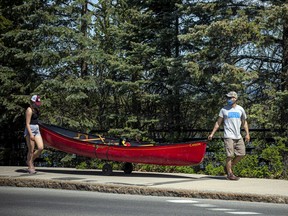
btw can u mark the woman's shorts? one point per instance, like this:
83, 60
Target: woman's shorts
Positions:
234, 147
34, 129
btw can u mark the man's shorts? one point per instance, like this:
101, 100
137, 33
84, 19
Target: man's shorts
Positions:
234, 147
34, 129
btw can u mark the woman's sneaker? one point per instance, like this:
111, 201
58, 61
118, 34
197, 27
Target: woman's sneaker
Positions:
31, 171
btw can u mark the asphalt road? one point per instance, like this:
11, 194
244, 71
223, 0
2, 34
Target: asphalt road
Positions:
34, 201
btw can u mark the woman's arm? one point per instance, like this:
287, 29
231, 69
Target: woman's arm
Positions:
28, 116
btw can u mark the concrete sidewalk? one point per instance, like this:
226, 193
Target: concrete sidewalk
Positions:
155, 184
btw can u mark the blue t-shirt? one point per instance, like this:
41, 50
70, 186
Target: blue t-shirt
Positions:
232, 118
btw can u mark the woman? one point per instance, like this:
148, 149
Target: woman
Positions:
32, 133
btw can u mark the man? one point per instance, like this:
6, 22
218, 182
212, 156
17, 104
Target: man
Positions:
233, 116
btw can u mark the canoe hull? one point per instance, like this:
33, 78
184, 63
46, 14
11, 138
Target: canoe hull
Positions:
177, 154
174, 154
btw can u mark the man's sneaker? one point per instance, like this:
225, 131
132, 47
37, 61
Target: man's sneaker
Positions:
231, 176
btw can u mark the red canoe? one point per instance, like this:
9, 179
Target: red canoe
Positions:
95, 146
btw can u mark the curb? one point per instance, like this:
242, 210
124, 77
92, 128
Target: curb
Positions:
138, 190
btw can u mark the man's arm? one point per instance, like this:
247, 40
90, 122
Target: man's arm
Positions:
246, 128
216, 127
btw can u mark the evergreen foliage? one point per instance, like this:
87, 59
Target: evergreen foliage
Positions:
149, 69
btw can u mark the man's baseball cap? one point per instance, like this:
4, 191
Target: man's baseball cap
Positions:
36, 100
232, 94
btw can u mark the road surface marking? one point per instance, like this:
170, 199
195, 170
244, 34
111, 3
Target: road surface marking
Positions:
205, 205
221, 209
243, 213
213, 207
182, 201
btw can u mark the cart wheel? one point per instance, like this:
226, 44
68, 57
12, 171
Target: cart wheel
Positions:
107, 169
128, 168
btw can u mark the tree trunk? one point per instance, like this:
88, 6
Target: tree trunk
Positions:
84, 66
284, 74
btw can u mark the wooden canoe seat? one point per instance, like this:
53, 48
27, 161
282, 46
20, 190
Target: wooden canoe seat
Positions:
85, 137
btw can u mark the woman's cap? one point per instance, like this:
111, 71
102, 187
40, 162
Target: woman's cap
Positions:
36, 100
